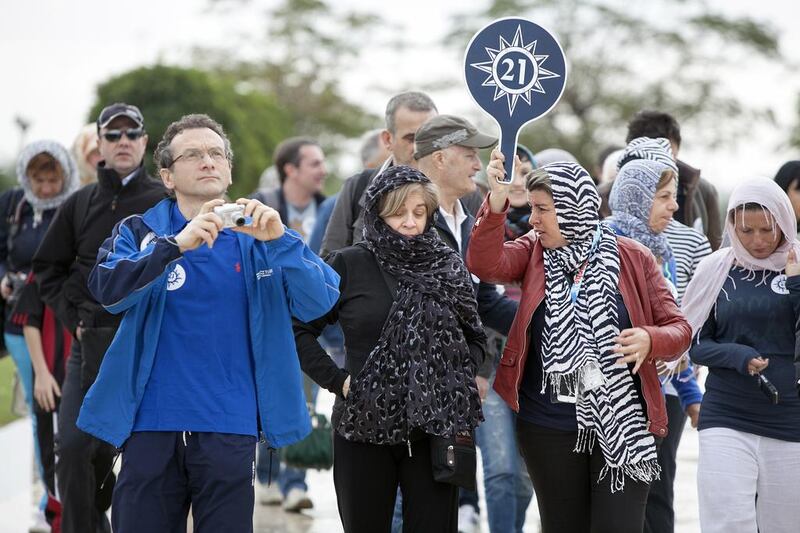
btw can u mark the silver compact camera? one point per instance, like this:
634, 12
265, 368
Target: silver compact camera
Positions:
232, 215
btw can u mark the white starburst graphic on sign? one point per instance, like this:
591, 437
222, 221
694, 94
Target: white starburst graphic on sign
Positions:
521, 67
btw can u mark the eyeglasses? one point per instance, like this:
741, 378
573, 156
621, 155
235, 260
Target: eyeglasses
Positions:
195, 156
113, 136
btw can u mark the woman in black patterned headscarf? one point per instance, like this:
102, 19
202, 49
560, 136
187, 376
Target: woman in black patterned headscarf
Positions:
414, 341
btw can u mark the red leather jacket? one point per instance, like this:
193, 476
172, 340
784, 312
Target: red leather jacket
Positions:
641, 283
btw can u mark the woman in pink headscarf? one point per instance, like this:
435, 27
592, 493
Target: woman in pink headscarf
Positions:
742, 308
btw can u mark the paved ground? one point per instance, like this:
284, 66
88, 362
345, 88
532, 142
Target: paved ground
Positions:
16, 507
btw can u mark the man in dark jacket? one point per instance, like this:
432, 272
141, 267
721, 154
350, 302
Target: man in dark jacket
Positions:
698, 203
405, 113
61, 266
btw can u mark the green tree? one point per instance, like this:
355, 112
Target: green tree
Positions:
623, 57
8, 178
253, 121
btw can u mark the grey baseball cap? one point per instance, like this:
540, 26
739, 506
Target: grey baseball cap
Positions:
443, 131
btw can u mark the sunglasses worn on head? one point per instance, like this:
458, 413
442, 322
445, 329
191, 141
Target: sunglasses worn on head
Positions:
115, 135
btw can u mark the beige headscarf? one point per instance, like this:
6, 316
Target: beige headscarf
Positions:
701, 293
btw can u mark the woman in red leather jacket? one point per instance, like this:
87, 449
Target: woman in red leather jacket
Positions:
579, 365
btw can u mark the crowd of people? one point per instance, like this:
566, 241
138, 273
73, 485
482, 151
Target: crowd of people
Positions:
557, 321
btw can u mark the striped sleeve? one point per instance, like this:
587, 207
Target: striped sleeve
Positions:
128, 262
689, 247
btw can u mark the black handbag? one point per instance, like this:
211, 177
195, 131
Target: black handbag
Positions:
454, 459
316, 450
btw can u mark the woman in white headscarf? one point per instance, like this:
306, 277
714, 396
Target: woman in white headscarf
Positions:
742, 307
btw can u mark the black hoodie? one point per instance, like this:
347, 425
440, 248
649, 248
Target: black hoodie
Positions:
69, 249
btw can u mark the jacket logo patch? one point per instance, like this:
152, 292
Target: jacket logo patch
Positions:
150, 237
176, 278
779, 284
264, 273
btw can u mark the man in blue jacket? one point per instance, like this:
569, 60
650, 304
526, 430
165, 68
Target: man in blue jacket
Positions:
204, 360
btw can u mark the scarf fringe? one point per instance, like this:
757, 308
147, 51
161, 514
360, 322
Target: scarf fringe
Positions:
673, 370
644, 471
586, 440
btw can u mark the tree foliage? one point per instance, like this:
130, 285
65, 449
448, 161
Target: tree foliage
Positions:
8, 179
623, 57
305, 49
252, 120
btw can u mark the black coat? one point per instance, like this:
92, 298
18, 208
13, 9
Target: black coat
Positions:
366, 297
69, 249
19, 239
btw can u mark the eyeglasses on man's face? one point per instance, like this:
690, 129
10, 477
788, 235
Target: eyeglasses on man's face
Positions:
195, 156
115, 135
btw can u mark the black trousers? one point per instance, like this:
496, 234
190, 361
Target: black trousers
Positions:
660, 514
570, 499
82, 461
366, 477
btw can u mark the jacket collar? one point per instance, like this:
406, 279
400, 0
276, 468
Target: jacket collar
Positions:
158, 217
688, 176
110, 179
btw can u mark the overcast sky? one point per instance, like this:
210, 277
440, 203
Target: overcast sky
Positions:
54, 53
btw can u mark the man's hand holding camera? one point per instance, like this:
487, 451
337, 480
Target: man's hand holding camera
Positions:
265, 224
203, 228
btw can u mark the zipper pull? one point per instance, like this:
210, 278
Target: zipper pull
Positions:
409, 447
114, 202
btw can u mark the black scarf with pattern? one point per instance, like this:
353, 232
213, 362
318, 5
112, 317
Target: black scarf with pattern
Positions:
421, 374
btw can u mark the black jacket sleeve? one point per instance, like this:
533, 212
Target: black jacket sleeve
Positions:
712, 353
6, 209
339, 232
314, 360
53, 261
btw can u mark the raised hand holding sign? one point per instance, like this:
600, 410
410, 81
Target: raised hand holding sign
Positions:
515, 71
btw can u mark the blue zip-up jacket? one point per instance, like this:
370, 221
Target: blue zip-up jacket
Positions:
283, 279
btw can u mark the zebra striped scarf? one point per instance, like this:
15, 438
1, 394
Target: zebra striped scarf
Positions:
577, 334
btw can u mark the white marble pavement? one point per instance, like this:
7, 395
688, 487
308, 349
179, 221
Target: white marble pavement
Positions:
16, 507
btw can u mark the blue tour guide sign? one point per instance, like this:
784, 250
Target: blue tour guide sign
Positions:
515, 71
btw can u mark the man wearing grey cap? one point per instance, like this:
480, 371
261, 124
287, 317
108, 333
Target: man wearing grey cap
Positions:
61, 267
446, 150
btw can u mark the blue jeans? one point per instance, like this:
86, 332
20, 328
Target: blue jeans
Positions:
22, 359
505, 479
397, 517
288, 478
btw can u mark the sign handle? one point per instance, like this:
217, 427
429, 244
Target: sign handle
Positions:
508, 146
